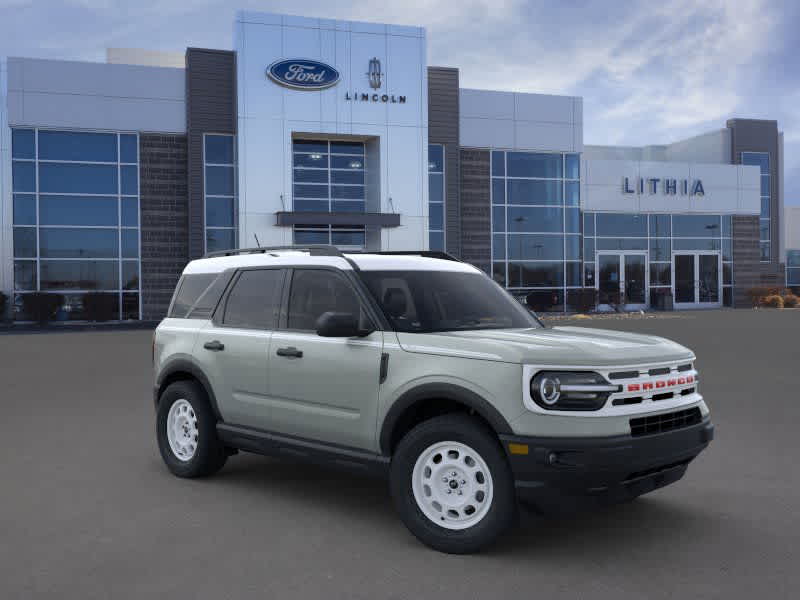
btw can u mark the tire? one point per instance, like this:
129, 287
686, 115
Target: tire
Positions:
481, 512
192, 449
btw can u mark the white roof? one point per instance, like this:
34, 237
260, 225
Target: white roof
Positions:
366, 262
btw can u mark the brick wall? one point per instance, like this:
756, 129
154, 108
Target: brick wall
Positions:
476, 215
164, 219
748, 271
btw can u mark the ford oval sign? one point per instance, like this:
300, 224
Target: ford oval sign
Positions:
303, 74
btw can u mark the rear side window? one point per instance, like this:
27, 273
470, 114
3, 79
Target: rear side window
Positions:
254, 299
190, 288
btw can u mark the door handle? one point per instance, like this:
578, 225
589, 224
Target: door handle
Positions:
215, 346
290, 352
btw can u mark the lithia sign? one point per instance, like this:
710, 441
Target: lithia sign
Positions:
667, 186
306, 74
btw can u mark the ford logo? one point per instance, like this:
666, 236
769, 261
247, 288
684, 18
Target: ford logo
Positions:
303, 74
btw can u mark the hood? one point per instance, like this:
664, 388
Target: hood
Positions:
557, 346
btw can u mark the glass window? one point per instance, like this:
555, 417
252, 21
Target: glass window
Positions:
130, 243
537, 219
660, 274
356, 148
498, 218
311, 191
436, 193
499, 246
348, 206
311, 175
588, 224
696, 225
432, 301
588, 249
763, 228
765, 207
727, 225
347, 192
128, 148
24, 209
219, 239
356, 177
545, 300
759, 159
532, 274
621, 243
436, 216
315, 292
319, 161
498, 191
573, 166
588, 273
204, 306
621, 225
25, 275
435, 158
695, 244
347, 238
189, 289
67, 178
130, 275
727, 273
793, 258
436, 241
23, 143
318, 236
57, 242
77, 210
535, 247
79, 275
219, 212
572, 220
219, 181
253, 300
765, 191
529, 191
130, 212
530, 164
572, 247
25, 242
660, 226
219, 149
77, 146
572, 193
765, 251
129, 176
23, 176
312, 146
130, 307
660, 249
311, 205
498, 163
727, 249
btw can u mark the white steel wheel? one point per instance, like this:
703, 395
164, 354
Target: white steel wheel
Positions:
182, 433
452, 485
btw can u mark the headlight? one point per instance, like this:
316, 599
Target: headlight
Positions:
571, 390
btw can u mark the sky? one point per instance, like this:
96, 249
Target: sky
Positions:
649, 72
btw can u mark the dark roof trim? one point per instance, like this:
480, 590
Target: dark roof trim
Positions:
287, 219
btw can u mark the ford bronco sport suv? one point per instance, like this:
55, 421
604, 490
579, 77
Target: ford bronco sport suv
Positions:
422, 368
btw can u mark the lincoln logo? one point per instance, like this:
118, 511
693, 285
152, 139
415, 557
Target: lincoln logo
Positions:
374, 74
660, 384
301, 74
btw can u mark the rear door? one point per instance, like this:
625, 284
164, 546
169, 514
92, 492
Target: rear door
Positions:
324, 388
233, 347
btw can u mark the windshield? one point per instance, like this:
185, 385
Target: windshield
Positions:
433, 301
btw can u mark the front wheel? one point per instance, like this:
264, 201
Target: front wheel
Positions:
452, 485
186, 431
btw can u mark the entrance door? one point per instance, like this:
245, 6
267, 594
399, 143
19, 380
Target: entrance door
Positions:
697, 279
622, 279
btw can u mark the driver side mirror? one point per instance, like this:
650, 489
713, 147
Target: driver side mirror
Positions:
339, 324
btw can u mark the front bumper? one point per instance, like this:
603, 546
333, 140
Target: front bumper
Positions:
565, 473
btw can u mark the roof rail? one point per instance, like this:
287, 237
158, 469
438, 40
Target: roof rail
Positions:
423, 253
312, 249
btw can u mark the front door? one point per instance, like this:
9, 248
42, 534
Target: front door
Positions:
324, 388
697, 279
622, 279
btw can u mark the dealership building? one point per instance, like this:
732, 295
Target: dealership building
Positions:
113, 175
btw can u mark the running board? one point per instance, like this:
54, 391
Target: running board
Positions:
283, 446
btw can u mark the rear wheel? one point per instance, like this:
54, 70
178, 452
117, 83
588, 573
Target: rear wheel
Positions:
186, 431
452, 485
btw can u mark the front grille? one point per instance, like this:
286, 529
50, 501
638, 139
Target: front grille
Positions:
665, 422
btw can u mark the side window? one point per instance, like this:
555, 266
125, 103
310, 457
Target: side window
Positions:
315, 292
253, 300
189, 290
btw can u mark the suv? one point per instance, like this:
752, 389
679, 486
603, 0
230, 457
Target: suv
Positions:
419, 367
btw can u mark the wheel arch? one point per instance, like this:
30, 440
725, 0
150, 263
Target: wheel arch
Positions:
432, 399
184, 370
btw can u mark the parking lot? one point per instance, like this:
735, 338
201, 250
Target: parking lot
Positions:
87, 510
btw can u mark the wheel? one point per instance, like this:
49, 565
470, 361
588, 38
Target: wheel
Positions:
451, 484
186, 431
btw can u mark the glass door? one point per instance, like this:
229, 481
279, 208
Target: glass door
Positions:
622, 280
697, 279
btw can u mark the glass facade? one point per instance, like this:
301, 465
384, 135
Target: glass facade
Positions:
793, 268
219, 167
436, 197
328, 176
659, 235
761, 160
536, 241
76, 220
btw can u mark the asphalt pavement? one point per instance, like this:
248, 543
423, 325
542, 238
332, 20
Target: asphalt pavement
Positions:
87, 509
